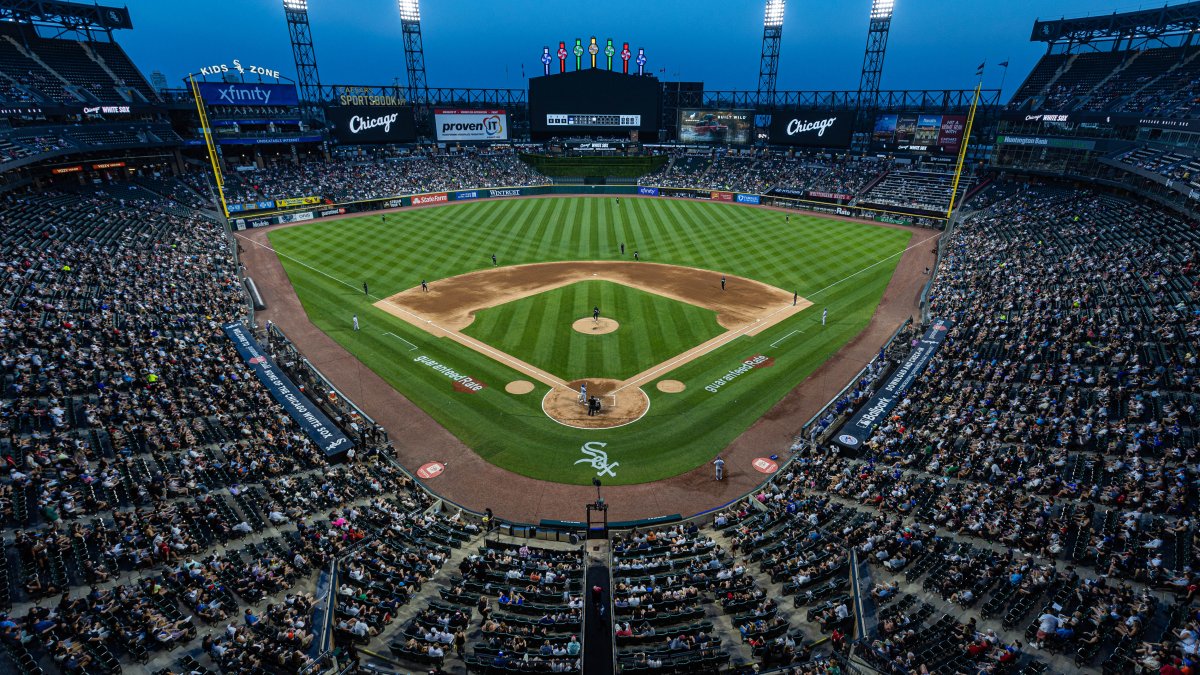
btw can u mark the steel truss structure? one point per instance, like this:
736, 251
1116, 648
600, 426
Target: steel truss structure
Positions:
1168, 26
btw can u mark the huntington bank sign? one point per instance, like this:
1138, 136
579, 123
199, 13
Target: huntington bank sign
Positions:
858, 430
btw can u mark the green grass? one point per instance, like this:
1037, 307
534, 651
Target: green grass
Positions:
842, 266
538, 330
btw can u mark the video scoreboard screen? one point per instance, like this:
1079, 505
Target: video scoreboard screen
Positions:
594, 101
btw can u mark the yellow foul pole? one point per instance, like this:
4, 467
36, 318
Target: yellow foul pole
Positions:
208, 143
962, 151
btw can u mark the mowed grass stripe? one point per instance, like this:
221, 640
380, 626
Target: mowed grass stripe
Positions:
681, 431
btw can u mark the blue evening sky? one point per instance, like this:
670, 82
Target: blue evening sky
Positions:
934, 44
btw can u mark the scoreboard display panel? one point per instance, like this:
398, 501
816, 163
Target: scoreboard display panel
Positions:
594, 102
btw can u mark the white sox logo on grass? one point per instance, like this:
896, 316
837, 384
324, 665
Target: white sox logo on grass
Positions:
463, 383
756, 361
598, 458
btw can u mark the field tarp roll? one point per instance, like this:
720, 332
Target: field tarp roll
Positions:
316, 425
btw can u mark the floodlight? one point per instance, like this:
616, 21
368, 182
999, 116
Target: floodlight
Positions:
410, 10
774, 15
882, 9
295, 5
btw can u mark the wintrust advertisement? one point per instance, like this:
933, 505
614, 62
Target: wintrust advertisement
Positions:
471, 126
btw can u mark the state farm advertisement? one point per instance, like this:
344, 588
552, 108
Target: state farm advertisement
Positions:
468, 126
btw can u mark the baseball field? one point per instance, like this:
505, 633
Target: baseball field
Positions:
496, 353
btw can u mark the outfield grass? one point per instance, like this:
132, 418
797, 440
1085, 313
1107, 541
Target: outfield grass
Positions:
538, 330
844, 267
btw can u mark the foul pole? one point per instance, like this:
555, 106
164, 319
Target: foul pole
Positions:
962, 151
208, 143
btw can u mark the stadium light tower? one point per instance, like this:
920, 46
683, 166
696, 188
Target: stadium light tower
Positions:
309, 81
414, 49
768, 66
877, 37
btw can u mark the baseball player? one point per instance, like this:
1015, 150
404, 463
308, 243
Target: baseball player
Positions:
365, 291
636, 256
722, 282
720, 465
824, 315
424, 286
583, 392
494, 260
355, 319
596, 314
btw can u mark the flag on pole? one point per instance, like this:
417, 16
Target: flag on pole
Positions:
979, 70
1003, 64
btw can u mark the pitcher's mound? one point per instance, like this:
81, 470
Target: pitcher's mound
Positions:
616, 410
670, 386
593, 327
519, 387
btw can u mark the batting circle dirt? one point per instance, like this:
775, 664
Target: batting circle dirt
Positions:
617, 408
595, 326
670, 386
519, 387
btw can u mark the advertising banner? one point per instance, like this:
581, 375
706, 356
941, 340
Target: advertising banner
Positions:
469, 194
813, 128
470, 125
435, 198
919, 133
506, 192
297, 201
788, 192
721, 196
648, 191
371, 124
715, 126
836, 196
858, 430
314, 422
749, 199
236, 93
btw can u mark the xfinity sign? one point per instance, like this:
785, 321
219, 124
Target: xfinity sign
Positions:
232, 93
470, 126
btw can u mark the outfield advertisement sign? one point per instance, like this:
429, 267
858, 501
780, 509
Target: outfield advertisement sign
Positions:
506, 192
470, 126
235, 93
315, 424
721, 196
469, 194
297, 201
858, 430
435, 198
749, 199
648, 191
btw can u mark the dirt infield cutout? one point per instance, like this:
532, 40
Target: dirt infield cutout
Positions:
670, 386
745, 307
616, 409
590, 326
519, 387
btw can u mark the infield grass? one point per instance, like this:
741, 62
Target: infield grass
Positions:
538, 330
840, 266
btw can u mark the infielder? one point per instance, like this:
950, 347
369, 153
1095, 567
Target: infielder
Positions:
424, 286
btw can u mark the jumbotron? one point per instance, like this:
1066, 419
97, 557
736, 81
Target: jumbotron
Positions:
605, 373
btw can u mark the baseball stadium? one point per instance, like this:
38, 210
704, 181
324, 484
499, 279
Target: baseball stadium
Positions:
621, 360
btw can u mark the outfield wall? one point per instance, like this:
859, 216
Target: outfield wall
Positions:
454, 196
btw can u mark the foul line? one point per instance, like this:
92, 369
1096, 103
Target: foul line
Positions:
540, 375
724, 338
414, 347
776, 343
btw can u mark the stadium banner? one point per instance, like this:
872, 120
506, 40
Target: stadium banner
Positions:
788, 192
749, 199
469, 194
835, 196
506, 192
297, 217
730, 127
371, 124
919, 133
435, 198
315, 424
236, 93
67, 169
296, 201
270, 140
857, 431
470, 126
648, 191
721, 196
1063, 143
813, 128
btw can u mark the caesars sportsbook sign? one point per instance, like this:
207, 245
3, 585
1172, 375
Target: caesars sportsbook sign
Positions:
813, 128
367, 124
470, 125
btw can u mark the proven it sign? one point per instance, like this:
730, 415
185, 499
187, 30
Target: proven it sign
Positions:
470, 125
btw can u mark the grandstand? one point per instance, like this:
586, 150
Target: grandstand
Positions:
178, 497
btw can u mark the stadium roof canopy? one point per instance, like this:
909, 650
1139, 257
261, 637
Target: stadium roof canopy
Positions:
1168, 26
66, 16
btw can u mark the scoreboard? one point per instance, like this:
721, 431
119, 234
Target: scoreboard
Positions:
586, 120
594, 101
